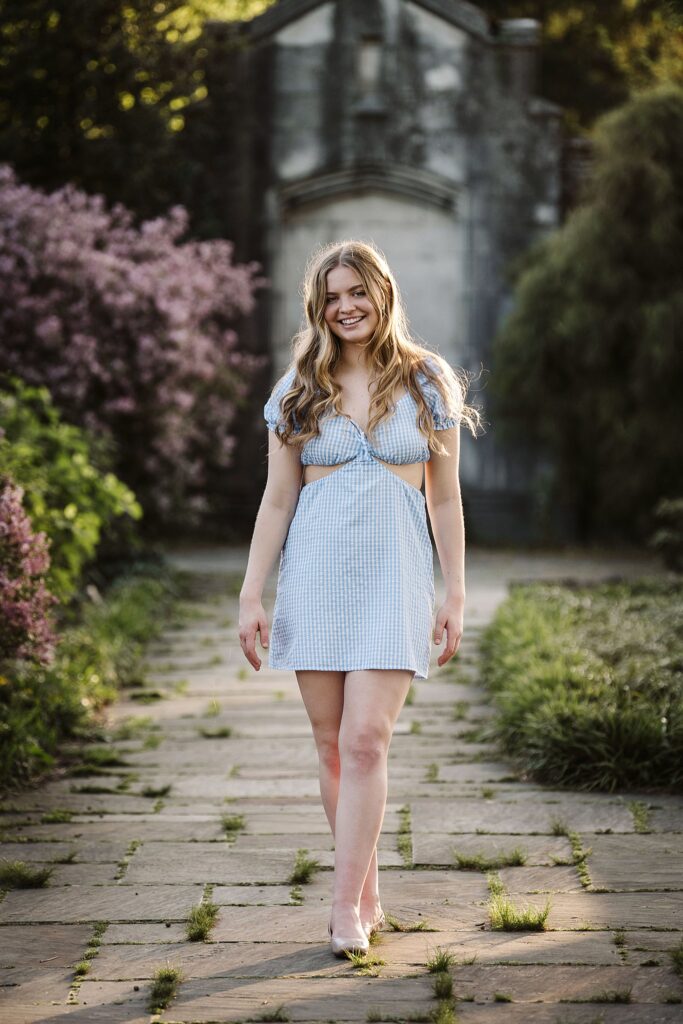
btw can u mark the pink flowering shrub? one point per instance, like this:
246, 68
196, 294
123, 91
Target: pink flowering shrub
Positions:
132, 331
26, 630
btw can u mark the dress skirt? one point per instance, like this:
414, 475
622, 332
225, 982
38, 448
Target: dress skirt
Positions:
355, 586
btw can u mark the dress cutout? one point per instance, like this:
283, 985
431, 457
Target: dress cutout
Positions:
355, 586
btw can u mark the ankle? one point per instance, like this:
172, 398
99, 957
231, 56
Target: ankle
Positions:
345, 910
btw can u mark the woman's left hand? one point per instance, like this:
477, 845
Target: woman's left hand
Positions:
449, 618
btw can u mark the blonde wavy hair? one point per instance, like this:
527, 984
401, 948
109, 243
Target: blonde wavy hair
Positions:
394, 357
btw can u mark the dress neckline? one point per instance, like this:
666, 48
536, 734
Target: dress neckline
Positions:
351, 420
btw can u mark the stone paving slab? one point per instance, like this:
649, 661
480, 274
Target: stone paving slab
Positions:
413, 949
36, 961
476, 771
667, 819
592, 1013
207, 862
531, 983
616, 910
309, 923
188, 755
19, 1011
521, 816
138, 826
111, 1003
144, 932
540, 879
225, 959
322, 999
254, 895
95, 903
82, 874
648, 940
646, 862
243, 786
436, 848
45, 852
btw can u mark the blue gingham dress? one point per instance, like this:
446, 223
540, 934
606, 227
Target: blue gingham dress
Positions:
355, 587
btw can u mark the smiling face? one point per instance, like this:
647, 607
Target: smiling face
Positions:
349, 313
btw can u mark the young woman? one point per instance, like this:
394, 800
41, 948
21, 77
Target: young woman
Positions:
358, 413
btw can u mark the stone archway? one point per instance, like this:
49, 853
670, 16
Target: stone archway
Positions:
423, 243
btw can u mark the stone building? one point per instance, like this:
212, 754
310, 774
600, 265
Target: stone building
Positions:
412, 124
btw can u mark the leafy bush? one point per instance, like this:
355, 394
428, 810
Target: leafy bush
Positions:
69, 493
42, 705
26, 629
590, 360
588, 682
133, 333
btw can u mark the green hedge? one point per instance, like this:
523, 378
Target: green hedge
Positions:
588, 682
70, 492
102, 650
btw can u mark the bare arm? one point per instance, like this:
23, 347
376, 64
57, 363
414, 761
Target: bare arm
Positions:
444, 504
275, 513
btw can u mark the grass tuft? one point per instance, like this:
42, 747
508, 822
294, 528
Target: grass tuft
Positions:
164, 987
58, 816
641, 815
366, 964
480, 862
222, 732
607, 996
17, 874
404, 842
443, 985
440, 960
278, 1014
406, 926
444, 1013
201, 919
154, 792
232, 824
676, 955
505, 916
304, 868
494, 884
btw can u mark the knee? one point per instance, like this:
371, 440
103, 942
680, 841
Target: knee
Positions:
365, 750
328, 754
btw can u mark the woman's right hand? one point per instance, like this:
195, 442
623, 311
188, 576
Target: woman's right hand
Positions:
252, 620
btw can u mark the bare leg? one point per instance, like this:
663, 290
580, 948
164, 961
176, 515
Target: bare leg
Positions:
323, 696
373, 699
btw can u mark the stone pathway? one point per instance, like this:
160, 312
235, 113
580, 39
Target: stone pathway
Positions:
138, 847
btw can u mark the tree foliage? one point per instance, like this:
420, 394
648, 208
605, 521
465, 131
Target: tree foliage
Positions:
590, 359
594, 56
100, 93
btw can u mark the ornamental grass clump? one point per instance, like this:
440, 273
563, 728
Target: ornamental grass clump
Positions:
588, 682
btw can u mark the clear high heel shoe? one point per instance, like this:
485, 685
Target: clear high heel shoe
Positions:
375, 925
341, 946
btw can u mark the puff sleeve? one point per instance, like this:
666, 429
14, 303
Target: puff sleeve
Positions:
272, 410
443, 419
